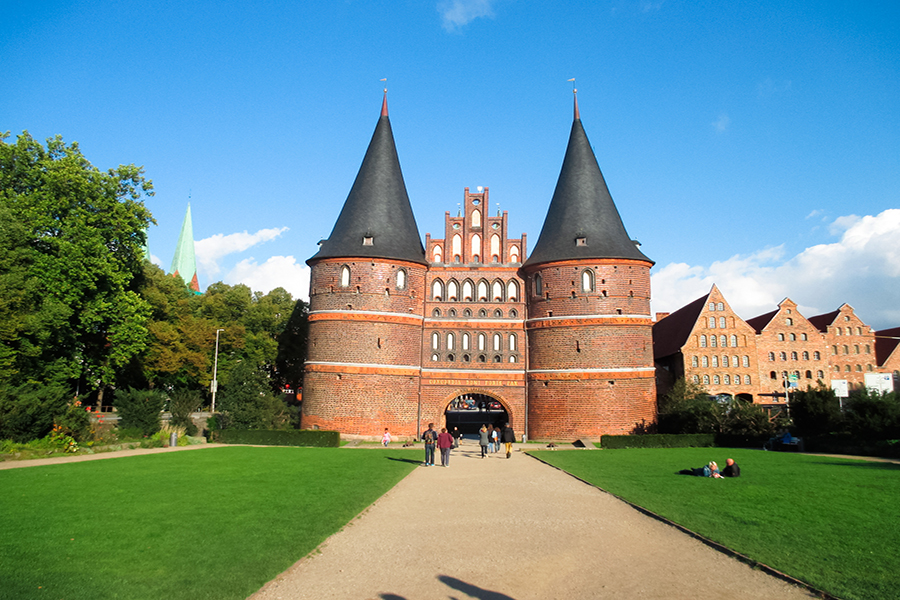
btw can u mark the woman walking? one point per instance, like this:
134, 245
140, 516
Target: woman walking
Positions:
445, 443
483, 440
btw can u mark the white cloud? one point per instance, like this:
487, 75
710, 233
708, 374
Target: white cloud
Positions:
721, 124
457, 13
156, 261
210, 250
277, 271
861, 269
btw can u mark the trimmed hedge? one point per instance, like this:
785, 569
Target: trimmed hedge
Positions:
286, 437
836, 443
683, 440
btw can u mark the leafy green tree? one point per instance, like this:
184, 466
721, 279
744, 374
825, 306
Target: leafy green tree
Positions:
815, 411
29, 411
140, 409
873, 415
247, 400
67, 285
292, 347
748, 419
181, 404
687, 408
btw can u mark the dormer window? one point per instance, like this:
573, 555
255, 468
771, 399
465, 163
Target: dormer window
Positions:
368, 240
581, 241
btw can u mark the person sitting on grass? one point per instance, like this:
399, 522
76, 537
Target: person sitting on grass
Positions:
731, 469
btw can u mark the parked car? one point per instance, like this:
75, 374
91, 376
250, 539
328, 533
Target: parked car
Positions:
494, 405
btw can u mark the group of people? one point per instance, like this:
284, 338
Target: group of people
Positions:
712, 470
489, 438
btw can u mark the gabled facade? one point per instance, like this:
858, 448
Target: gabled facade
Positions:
887, 353
558, 344
850, 345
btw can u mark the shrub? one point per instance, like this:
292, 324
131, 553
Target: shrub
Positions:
247, 401
303, 437
695, 440
140, 409
181, 404
815, 411
29, 411
873, 415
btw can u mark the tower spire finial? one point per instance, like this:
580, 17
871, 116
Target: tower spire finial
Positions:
575, 94
384, 110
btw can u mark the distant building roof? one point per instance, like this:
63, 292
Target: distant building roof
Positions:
821, 322
184, 263
582, 221
377, 219
671, 334
759, 323
886, 341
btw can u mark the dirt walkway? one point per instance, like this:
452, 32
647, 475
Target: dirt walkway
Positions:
498, 529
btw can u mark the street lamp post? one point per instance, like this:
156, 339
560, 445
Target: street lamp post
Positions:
214, 386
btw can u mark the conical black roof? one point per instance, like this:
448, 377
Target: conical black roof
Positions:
377, 219
582, 221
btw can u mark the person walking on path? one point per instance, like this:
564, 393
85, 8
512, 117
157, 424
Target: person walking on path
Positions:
483, 440
445, 443
508, 436
495, 440
386, 438
430, 438
457, 437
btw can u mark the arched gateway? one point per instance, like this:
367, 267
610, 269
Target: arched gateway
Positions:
470, 410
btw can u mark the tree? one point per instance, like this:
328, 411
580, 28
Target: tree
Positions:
687, 408
247, 401
67, 285
816, 410
873, 415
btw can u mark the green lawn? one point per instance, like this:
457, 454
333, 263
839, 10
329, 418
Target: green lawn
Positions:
215, 523
834, 523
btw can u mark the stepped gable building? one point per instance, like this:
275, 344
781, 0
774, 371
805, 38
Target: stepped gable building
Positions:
707, 343
466, 331
887, 355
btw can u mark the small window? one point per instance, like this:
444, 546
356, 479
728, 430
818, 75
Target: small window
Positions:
465, 341
789, 321
437, 254
725, 361
368, 240
706, 380
498, 340
587, 280
793, 356
723, 341
436, 312
712, 306
437, 290
703, 341
513, 342
734, 341
726, 379
401, 279
538, 285
451, 341
716, 380
721, 322
856, 349
715, 361
434, 357
696, 379
712, 322
782, 355
816, 355
713, 341
512, 291
780, 337
481, 341
705, 361
820, 374
846, 349
771, 356
805, 355
345, 276
435, 341
452, 312
498, 314
745, 360
746, 380
809, 374
803, 337
720, 306
513, 313
513, 358
694, 362
793, 337
838, 331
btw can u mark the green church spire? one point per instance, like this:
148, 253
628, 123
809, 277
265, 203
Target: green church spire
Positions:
184, 263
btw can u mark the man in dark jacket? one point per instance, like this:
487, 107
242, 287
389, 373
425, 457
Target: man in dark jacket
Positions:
731, 469
508, 436
430, 439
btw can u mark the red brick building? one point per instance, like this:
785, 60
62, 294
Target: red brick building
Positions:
707, 343
467, 330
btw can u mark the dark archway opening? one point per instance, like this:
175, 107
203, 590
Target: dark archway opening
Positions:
470, 411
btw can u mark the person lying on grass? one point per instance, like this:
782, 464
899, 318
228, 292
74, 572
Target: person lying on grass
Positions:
710, 470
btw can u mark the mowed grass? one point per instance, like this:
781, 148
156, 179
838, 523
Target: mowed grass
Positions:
215, 523
833, 523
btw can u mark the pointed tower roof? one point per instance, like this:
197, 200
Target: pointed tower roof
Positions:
184, 263
377, 219
582, 221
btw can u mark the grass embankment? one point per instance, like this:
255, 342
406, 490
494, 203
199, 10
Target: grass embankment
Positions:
828, 521
216, 524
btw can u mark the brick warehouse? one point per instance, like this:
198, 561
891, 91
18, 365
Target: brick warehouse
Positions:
470, 328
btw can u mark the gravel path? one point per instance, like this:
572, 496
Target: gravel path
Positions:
498, 529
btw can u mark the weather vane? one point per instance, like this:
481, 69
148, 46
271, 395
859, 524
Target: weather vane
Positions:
574, 91
385, 85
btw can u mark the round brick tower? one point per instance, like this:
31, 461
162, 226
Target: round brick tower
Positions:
590, 362
366, 305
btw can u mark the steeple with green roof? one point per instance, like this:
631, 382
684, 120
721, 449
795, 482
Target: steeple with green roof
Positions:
184, 263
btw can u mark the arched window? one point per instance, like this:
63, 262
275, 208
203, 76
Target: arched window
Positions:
587, 280
467, 313
855, 348
538, 285
734, 341
703, 341
434, 357
452, 291
436, 312
497, 291
820, 374
721, 322
746, 380
745, 361
793, 337
451, 341
513, 358
734, 361
476, 218
456, 246
704, 361
715, 361
498, 313
451, 312
401, 279
720, 306
696, 379
846, 349
437, 253
771, 356
512, 290
773, 375
435, 341
495, 247
780, 337
726, 379
713, 341
793, 356
482, 291
706, 380
723, 341
481, 341
725, 361
803, 337
476, 248
782, 355
498, 341
513, 342
437, 290
712, 322
465, 341
345, 276
694, 362
467, 291
513, 313
514, 254
868, 349
789, 321
497, 358
716, 380
838, 331
712, 306
816, 355
805, 355
809, 374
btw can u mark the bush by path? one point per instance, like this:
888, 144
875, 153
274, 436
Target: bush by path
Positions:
831, 522
216, 523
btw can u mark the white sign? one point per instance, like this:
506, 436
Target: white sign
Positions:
840, 387
879, 382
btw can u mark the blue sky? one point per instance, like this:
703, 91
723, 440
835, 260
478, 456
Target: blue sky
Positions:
751, 145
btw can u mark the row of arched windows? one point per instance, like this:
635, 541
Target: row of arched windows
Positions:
400, 277
794, 355
587, 282
807, 375
848, 369
483, 313
478, 341
846, 348
714, 361
466, 357
469, 291
725, 379
848, 331
720, 341
456, 251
